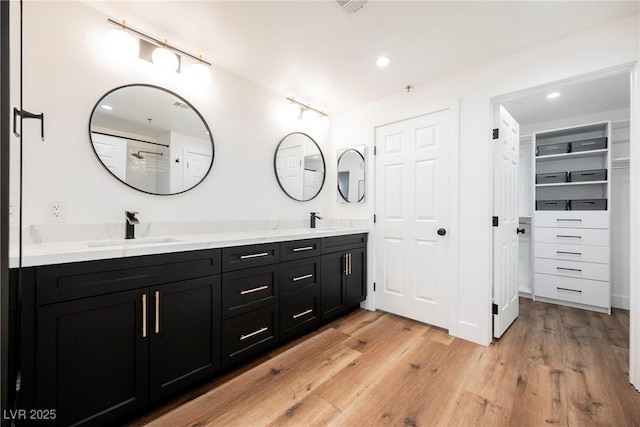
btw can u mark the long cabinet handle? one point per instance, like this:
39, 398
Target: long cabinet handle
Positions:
250, 291
157, 296
295, 316
561, 236
567, 289
261, 254
569, 269
144, 315
306, 248
259, 331
568, 220
568, 253
306, 276
350, 262
346, 264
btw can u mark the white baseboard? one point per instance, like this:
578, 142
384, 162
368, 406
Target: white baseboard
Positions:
621, 301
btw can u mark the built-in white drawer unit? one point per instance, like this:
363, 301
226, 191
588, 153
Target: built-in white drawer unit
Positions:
582, 270
597, 254
581, 291
572, 236
572, 219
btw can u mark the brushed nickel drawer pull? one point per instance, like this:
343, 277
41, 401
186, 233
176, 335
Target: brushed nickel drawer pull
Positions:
350, 263
295, 316
306, 248
259, 331
249, 291
568, 219
560, 236
157, 311
261, 254
144, 315
569, 269
569, 253
567, 289
306, 276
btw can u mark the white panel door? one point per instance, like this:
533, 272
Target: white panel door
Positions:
505, 207
412, 206
291, 170
196, 167
112, 151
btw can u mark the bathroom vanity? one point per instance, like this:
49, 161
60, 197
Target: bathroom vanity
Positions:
103, 338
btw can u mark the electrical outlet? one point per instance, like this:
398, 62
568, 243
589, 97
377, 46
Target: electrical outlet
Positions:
56, 211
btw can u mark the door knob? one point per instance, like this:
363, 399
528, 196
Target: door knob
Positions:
441, 232
519, 230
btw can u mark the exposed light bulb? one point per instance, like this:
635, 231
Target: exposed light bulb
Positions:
165, 59
308, 114
199, 72
293, 110
121, 44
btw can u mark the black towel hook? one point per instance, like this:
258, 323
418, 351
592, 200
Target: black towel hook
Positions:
27, 115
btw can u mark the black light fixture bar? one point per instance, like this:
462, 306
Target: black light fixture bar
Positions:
156, 41
307, 107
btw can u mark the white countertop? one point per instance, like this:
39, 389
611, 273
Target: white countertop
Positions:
35, 254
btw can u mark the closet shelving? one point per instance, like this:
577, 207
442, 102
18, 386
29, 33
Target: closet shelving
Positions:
571, 246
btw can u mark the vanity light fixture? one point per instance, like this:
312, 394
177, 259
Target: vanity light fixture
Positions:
164, 55
304, 111
122, 43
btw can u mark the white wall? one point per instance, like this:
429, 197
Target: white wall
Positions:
612, 45
66, 72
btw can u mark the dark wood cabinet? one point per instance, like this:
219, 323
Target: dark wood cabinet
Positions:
184, 330
332, 294
249, 335
93, 357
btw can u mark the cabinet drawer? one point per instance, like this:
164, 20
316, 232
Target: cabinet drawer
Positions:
582, 291
240, 257
572, 236
247, 290
62, 282
299, 315
298, 249
582, 270
597, 254
297, 277
343, 243
572, 219
248, 335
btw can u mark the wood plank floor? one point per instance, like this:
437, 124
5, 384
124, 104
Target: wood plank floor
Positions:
555, 366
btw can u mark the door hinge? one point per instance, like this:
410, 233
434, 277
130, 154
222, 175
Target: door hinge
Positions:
494, 308
496, 133
374, 218
375, 150
494, 221
374, 286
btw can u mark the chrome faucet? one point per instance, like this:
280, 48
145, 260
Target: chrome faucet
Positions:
130, 224
313, 218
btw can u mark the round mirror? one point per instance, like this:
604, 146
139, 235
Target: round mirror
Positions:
351, 176
151, 139
299, 166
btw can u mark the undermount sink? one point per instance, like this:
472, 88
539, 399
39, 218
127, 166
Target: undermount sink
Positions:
132, 242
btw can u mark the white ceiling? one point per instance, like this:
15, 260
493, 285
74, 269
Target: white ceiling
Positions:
314, 51
610, 93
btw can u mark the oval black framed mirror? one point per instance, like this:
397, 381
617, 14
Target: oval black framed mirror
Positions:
151, 139
351, 175
299, 166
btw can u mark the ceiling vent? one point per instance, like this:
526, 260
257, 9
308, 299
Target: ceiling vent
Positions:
181, 105
351, 6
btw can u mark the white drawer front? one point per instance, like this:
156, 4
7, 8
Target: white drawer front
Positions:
599, 254
581, 270
572, 219
590, 292
572, 236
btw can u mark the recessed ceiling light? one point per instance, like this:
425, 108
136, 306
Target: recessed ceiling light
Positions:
383, 61
553, 95
106, 107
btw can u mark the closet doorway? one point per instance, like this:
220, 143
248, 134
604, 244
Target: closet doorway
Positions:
574, 191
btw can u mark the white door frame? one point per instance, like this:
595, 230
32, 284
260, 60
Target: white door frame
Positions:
454, 205
634, 197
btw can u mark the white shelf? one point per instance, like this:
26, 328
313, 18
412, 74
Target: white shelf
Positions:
564, 184
576, 155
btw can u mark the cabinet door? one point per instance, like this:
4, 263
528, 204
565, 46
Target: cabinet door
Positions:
92, 357
184, 327
332, 295
356, 284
